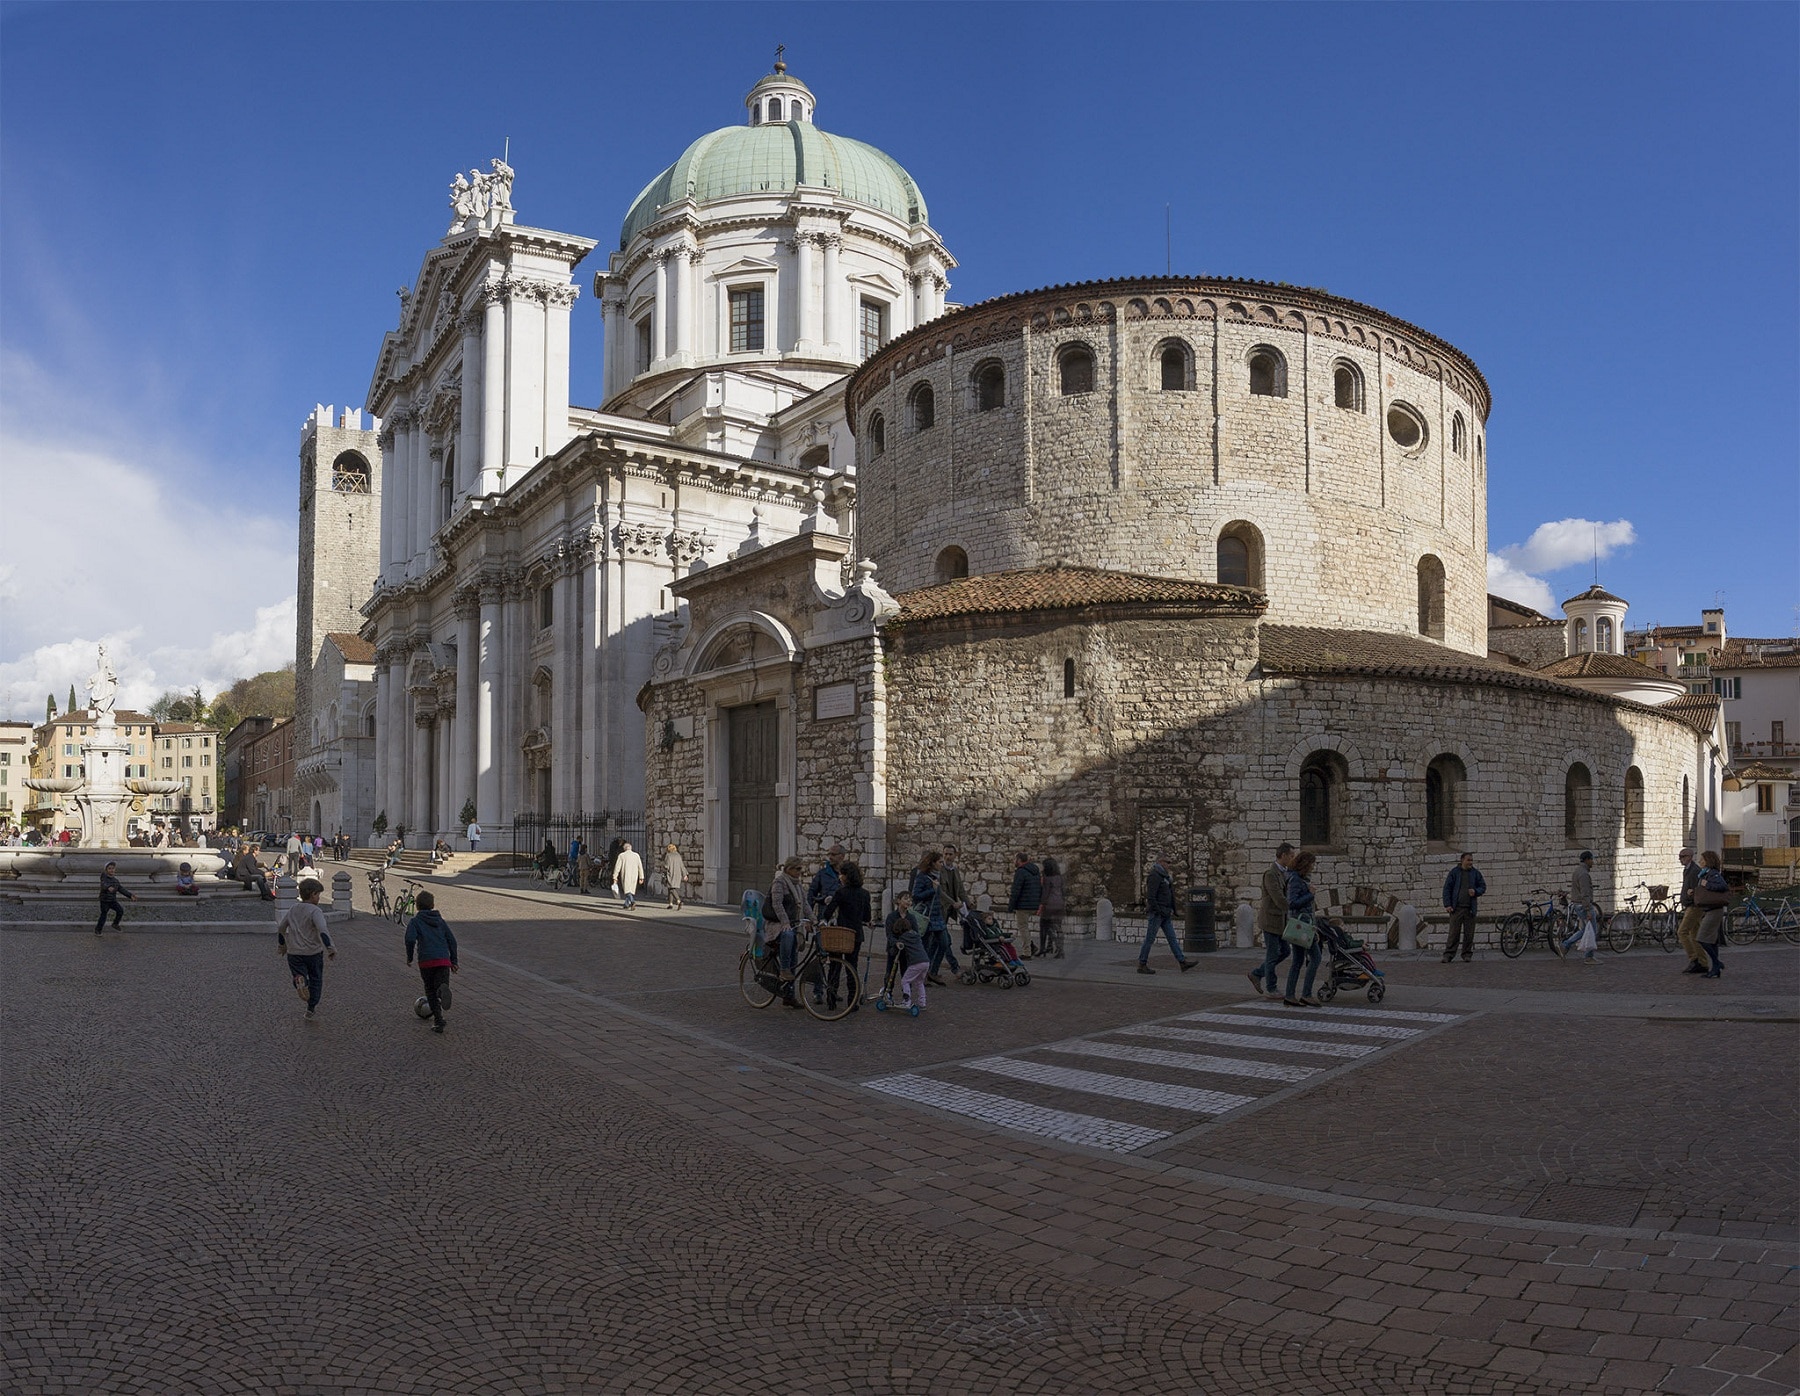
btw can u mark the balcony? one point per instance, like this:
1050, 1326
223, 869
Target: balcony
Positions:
1767, 750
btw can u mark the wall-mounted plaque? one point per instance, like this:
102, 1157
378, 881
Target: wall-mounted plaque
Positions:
834, 700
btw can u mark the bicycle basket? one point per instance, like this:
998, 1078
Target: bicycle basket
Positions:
1659, 891
837, 940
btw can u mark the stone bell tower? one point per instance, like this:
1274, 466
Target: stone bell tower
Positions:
340, 542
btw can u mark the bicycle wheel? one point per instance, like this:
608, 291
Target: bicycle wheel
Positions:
751, 983
829, 988
1787, 921
1620, 930
1741, 926
1515, 934
1662, 924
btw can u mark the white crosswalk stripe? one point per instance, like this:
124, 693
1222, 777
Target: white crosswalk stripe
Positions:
1306, 1025
1260, 1041
1066, 1125
1069, 1078
1344, 1038
1349, 1012
1184, 1061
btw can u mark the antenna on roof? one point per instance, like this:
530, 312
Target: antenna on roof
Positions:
1168, 242
1596, 554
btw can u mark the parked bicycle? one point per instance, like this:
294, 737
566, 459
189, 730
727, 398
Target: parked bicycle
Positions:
1522, 927
406, 905
1657, 920
825, 979
1749, 920
378, 897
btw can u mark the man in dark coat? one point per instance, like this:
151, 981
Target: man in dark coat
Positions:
1463, 889
1023, 900
111, 889
1159, 909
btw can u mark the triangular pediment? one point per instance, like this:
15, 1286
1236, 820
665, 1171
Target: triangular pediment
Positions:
745, 265
877, 281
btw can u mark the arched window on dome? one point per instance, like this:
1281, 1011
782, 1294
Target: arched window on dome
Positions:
1634, 808
1240, 555
1578, 798
775, 109
922, 407
952, 564
1459, 434
1268, 372
1431, 597
989, 384
877, 434
756, 113
1444, 779
1581, 637
1603, 635
1175, 365
1347, 386
1324, 778
1075, 370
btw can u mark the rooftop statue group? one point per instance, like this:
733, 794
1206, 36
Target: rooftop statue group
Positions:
482, 201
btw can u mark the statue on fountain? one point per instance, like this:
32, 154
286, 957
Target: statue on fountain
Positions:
103, 689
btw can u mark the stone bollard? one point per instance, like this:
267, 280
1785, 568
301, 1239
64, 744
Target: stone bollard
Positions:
1408, 918
285, 895
1245, 917
340, 896
1103, 919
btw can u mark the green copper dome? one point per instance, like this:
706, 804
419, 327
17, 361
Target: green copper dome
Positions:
777, 158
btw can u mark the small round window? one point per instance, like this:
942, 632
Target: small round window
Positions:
1405, 426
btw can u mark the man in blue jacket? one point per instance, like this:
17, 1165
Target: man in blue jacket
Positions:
1463, 890
1159, 909
435, 942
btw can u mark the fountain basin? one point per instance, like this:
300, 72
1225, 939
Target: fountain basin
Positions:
156, 866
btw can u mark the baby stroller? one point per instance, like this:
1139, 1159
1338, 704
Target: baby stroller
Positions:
1348, 964
990, 955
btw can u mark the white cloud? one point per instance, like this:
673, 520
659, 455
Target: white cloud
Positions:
108, 535
1513, 572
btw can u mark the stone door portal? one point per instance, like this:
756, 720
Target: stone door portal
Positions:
753, 749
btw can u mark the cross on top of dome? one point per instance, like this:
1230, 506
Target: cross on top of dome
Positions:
778, 98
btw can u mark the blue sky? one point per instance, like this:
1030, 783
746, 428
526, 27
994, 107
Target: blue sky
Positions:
208, 209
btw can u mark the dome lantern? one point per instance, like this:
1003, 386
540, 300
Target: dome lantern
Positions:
779, 98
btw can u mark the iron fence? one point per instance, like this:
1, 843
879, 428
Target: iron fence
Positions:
602, 832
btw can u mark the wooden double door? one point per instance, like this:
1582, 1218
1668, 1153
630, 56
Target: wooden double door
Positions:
753, 759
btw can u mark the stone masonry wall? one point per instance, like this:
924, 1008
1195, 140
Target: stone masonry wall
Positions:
1134, 477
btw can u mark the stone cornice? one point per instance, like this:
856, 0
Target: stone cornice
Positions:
1218, 299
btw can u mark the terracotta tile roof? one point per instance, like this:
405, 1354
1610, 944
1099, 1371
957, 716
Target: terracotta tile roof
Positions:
1596, 593
1758, 654
1071, 588
175, 729
1592, 665
1758, 770
354, 648
1530, 614
1699, 710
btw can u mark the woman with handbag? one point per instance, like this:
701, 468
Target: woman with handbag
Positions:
1050, 910
1714, 894
1301, 933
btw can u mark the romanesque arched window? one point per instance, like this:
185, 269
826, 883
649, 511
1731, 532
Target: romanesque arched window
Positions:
1323, 780
1578, 794
1444, 780
1431, 597
1240, 555
990, 386
1068, 678
952, 563
350, 474
1634, 808
1268, 372
877, 434
1175, 363
922, 407
1347, 386
1459, 434
1075, 370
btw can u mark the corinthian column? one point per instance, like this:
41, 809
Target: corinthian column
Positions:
805, 340
486, 656
659, 312
493, 391
833, 294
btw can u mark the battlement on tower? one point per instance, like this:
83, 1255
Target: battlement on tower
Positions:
327, 416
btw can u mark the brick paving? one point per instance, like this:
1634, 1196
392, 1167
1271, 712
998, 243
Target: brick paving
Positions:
606, 1179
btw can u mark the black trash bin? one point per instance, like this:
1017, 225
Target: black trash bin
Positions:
1199, 935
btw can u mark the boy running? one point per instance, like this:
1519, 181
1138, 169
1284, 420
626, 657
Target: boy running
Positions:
302, 937
436, 945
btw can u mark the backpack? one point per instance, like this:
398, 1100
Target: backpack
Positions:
752, 908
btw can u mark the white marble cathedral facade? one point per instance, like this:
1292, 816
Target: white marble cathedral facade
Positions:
528, 547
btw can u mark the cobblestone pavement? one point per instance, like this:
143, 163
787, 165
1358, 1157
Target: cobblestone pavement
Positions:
606, 1179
